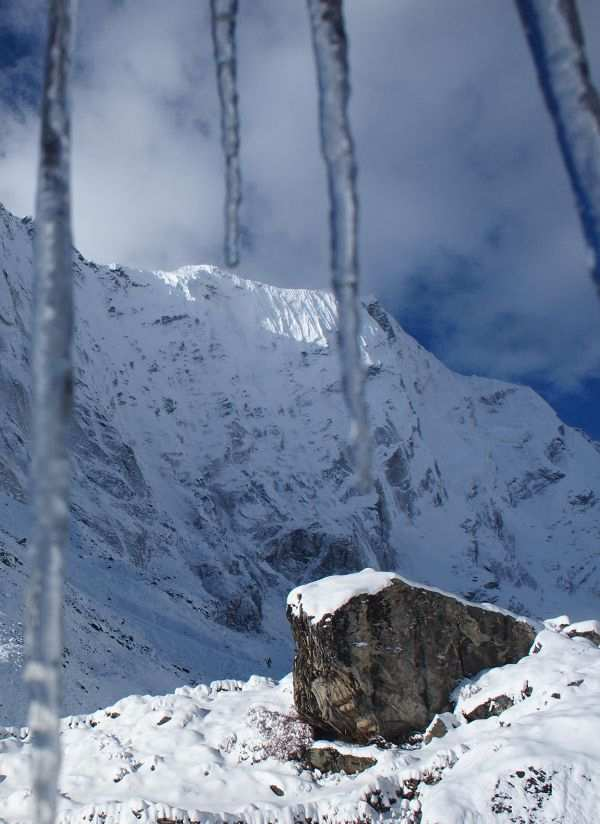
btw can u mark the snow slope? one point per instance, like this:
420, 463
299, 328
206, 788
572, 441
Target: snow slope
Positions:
211, 476
221, 753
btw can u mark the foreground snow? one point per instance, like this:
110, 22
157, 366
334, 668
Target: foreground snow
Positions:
218, 753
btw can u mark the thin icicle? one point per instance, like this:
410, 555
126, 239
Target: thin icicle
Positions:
52, 390
331, 57
223, 20
556, 40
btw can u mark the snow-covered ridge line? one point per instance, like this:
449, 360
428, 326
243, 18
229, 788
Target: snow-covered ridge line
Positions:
308, 315
322, 598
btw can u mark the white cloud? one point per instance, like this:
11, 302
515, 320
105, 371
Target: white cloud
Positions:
457, 161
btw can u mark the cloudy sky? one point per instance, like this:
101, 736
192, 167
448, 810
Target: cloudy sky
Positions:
468, 229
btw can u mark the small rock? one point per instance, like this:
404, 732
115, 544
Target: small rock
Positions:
491, 707
277, 790
439, 726
585, 629
526, 690
330, 760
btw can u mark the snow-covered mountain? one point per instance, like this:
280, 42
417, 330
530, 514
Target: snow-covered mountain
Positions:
210, 476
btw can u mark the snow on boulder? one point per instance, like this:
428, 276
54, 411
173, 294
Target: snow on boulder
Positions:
379, 656
585, 629
325, 596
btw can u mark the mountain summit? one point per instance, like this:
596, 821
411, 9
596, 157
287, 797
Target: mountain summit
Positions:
210, 475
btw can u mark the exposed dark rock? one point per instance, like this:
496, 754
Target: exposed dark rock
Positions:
328, 759
165, 320
591, 634
489, 708
382, 665
379, 315
583, 501
397, 473
289, 553
532, 483
555, 449
496, 399
304, 554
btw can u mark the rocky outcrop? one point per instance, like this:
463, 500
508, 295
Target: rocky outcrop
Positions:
329, 759
377, 656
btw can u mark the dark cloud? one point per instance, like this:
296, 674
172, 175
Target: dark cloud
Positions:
468, 227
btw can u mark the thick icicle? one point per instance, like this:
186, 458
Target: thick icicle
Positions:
331, 57
555, 37
52, 391
223, 20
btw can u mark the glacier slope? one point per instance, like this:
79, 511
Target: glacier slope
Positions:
211, 476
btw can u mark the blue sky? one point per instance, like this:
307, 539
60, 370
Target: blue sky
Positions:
468, 230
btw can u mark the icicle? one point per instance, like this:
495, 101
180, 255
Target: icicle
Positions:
557, 44
330, 48
52, 389
223, 18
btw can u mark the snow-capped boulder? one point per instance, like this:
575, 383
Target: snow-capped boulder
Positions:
378, 656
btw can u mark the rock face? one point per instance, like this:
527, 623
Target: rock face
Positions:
379, 656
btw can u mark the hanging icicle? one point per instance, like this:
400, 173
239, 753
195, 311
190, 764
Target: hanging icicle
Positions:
331, 57
223, 21
555, 37
52, 390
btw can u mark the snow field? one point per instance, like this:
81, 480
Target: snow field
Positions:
217, 753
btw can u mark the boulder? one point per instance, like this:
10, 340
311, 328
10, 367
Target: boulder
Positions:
328, 759
378, 656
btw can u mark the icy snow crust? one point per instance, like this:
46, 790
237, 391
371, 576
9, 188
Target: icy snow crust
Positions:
210, 477
204, 754
323, 597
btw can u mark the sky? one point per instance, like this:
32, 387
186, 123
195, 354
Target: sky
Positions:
468, 230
